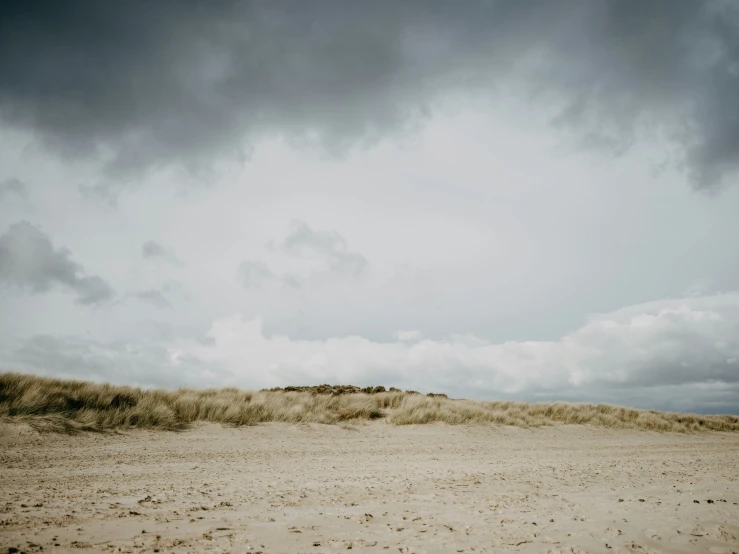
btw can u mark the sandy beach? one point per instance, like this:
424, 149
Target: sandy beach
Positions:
373, 487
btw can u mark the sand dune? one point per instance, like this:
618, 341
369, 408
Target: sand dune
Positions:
68, 406
372, 487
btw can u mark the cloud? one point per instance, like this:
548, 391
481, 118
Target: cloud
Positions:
152, 250
176, 288
257, 275
675, 354
15, 187
303, 242
153, 297
188, 82
102, 192
150, 364
292, 281
28, 260
329, 246
665, 354
407, 335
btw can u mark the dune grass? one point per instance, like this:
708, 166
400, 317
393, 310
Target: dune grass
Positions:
65, 406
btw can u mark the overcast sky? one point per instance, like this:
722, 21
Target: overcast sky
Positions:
520, 199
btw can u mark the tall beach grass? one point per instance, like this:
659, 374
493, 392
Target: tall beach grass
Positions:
68, 406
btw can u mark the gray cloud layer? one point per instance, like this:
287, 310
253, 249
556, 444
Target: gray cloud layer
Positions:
153, 297
84, 358
183, 81
13, 187
29, 260
102, 192
327, 245
153, 250
255, 274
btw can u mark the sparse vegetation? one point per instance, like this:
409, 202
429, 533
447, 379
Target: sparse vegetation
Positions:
65, 406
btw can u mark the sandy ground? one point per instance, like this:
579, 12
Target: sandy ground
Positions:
374, 488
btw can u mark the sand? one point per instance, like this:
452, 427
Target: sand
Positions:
278, 488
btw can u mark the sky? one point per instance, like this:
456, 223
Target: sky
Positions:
525, 200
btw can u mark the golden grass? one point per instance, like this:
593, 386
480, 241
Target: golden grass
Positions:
64, 406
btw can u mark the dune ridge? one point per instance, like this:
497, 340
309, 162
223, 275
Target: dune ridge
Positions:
69, 406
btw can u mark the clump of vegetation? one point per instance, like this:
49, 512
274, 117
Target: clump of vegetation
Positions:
336, 390
65, 406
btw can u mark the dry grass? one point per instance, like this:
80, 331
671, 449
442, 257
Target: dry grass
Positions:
63, 406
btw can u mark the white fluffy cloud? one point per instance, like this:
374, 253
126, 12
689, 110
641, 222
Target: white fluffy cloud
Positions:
666, 346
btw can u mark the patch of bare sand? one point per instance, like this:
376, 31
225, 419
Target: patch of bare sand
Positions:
278, 488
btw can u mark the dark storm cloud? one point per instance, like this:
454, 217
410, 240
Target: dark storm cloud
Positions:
28, 260
152, 250
14, 187
185, 81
